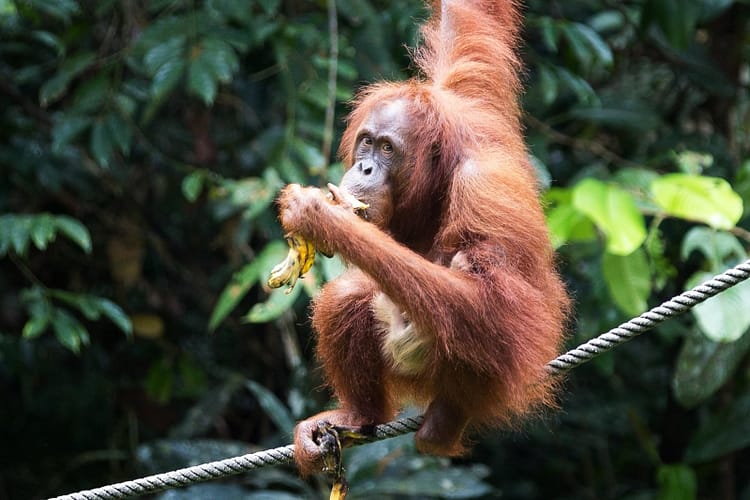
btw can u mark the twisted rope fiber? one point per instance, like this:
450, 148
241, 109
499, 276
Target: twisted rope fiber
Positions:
648, 320
571, 359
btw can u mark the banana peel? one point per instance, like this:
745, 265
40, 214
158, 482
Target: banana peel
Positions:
301, 255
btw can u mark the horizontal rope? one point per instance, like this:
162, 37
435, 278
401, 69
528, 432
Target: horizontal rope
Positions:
285, 454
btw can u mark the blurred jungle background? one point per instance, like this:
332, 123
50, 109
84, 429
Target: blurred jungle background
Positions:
142, 144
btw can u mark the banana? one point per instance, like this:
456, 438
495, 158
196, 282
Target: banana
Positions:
301, 255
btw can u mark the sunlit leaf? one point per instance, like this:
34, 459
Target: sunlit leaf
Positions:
614, 212
710, 200
726, 316
676, 482
716, 246
115, 314
244, 279
629, 280
69, 331
74, 230
192, 185
42, 230
277, 303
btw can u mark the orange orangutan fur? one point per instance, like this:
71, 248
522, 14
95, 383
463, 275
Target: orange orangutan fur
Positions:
466, 255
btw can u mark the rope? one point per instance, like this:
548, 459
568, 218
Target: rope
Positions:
648, 320
571, 359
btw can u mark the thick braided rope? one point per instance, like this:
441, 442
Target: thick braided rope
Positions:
648, 320
563, 363
214, 470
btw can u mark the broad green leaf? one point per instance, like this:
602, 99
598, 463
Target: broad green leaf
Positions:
74, 230
42, 230
550, 32
272, 406
722, 434
167, 78
116, 315
244, 279
566, 224
628, 280
676, 482
598, 46
164, 53
120, 132
220, 58
309, 154
726, 316
101, 144
716, 246
548, 84
67, 127
55, 88
614, 212
69, 331
278, 302
710, 200
19, 230
91, 95
704, 366
35, 326
201, 80
192, 185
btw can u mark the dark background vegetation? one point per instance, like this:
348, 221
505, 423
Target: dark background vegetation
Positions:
142, 144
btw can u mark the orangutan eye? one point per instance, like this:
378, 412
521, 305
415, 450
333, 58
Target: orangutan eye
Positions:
387, 148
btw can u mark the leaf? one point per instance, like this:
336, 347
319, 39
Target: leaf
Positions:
54, 88
614, 212
273, 407
710, 200
101, 143
164, 53
566, 224
42, 230
716, 246
244, 279
120, 133
167, 78
632, 117
277, 303
66, 128
74, 230
726, 316
598, 46
35, 326
704, 366
192, 185
628, 280
201, 80
18, 232
69, 331
116, 315
548, 85
220, 58
676, 482
722, 434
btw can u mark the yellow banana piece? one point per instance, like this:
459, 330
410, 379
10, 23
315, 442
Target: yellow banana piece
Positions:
301, 255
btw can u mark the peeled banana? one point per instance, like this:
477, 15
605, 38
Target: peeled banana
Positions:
301, 255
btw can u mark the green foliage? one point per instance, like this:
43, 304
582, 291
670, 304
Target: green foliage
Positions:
144, 144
